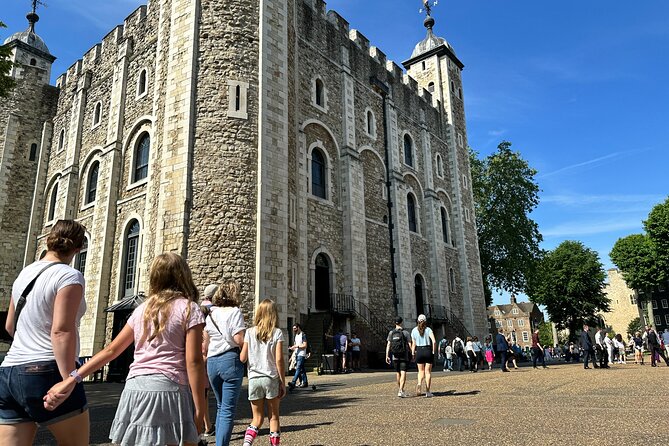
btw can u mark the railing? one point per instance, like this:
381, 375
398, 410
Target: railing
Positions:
439, 313
349, 305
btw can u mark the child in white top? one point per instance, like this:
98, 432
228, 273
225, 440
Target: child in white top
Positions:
263, 349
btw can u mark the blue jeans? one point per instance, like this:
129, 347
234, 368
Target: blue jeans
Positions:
449, 364
300, 372
226, 372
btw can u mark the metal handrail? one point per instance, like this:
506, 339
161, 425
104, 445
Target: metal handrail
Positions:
347, 304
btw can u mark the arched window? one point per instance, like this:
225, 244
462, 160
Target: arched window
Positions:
451, 279
408, 150
97, 113
371, 124
33, 62
52, 202
411, 212
320, 93
33, 152
80, 261
131, 251
444, 225
318, 174
430, 87
418, 292
452, 86
141, 162
141, 83
440, 166
92, 183
61, 140
322, 282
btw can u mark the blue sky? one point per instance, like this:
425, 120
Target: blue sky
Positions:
579, 87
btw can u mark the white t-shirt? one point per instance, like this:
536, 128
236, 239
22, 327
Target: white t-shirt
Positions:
32, 338
230, 321
421, 341
665, 338
299, 339
262, 355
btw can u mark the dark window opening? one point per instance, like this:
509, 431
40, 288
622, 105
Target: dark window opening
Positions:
411, 211
318, 171
141, 169
130, 258
33, 152
52, 202
408, 151
238, 98
80, 262
33, 62
92, 185
320, 94
141, 87
444, 225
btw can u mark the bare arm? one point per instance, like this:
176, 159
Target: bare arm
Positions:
388, 352
9, 323
244, 355
195, 370
239, 338
434, 342
64, 327
280, 367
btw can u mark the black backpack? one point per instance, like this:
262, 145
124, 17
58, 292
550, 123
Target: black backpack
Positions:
458, 347
398, 345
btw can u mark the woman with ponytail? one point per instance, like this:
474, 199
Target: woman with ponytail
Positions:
423, 345
47, 303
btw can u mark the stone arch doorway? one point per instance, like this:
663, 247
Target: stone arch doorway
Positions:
322, 283
419, 292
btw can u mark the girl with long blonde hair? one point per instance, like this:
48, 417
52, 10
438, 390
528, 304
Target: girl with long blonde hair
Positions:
163, 398
263, 351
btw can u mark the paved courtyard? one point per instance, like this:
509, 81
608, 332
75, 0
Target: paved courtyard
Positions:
625, 405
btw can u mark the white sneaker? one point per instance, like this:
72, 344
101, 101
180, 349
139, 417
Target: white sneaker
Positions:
401, 394
428, 395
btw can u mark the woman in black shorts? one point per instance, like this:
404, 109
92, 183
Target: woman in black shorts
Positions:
422, 348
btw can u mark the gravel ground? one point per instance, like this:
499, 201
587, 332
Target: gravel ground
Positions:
564, 404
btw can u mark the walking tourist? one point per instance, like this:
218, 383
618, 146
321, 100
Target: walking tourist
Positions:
48, 296
608, 343
514, 351
343, 349
459, 352
600, 348
588, 350
423, 345
471, 355
638, 348
619, 345
489, 352
502, 348
537, 350
224, 336
355, 351
263, 352
300, 346
166, 376
478, 350
665, 339
397, 345
654, 346
442, 352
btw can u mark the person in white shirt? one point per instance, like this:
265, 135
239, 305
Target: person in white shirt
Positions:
471, 354
600, 348
608, 343
620, 345
300, 346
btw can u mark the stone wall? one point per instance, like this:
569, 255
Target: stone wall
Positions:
623, 305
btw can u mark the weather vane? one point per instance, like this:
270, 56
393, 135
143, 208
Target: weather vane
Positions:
36, 3
427, 6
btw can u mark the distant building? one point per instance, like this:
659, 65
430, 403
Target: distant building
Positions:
516, 317
659, 299
624, 306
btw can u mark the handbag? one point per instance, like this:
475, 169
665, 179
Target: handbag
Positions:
22, 300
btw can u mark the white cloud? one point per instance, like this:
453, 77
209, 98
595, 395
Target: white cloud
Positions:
576, 228
645, 200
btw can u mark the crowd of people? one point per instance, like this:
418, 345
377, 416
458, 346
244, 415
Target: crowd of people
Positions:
181, 349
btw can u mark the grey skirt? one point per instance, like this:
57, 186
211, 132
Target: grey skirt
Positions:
154, 410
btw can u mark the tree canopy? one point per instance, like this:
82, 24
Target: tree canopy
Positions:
505, 193
6, 82
634, 326
569, 282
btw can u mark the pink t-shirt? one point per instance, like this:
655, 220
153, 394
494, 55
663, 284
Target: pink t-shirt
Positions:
166, 353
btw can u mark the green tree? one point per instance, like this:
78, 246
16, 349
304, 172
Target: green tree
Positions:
657, 228
546, 334
505, 194
6, 82
634, 326
569, 282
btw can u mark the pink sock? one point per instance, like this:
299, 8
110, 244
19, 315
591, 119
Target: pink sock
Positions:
275, 438
251, 434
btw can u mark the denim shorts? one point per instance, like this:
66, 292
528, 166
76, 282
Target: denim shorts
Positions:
22, 389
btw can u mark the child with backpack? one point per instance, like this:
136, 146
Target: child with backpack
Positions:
263, 352
163, 397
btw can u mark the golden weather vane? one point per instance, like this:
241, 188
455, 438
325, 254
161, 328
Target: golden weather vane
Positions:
427, 6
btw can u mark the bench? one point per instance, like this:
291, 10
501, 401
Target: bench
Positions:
95, 376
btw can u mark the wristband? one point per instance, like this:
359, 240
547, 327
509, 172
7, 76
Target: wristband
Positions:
77, 377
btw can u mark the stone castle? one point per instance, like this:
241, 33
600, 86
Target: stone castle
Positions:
266, 142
